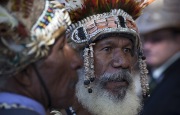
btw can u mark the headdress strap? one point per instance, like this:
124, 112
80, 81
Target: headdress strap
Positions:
89, 66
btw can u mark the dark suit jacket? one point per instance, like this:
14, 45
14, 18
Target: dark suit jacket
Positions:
17, 112
165, 98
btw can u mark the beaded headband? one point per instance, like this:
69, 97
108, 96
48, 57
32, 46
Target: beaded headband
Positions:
45, 30
116, 21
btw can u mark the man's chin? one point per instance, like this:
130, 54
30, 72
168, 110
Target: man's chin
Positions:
117, 90
104, 102
116, 94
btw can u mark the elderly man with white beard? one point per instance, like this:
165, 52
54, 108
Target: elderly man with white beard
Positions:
113, 92
106, 36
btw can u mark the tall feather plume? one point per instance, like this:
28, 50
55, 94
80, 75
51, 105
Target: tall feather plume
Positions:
92, 7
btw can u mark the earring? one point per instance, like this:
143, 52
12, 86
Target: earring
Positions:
89, 66
143, 75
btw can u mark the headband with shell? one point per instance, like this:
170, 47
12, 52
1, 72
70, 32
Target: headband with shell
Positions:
27, 30
92, 18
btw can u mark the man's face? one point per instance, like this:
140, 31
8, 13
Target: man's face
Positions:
159, 46
59, 73
113, 56
113, 88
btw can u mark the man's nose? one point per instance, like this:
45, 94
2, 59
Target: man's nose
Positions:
120, 60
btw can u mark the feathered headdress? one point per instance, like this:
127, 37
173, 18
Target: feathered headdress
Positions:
118, 15
93, 18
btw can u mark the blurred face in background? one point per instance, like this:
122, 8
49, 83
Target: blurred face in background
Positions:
160, 45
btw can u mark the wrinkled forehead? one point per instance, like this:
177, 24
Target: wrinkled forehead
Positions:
117, 35
115, 41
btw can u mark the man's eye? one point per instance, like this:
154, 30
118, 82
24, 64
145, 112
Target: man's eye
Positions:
107, 49
127, 50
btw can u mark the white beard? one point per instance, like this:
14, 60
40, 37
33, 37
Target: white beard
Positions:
101, 102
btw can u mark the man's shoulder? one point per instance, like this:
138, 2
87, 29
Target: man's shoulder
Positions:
17, 112
174, 68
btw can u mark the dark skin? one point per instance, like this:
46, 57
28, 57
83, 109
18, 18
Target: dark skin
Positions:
58, 71
110, 55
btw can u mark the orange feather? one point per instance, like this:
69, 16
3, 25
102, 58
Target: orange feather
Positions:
92, 7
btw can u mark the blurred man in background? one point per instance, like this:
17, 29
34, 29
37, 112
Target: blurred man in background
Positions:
159, 27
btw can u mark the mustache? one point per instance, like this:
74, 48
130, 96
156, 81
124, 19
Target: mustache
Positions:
121, 75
